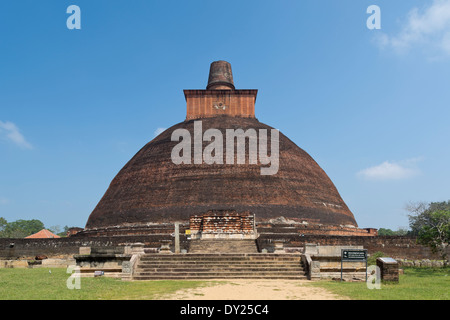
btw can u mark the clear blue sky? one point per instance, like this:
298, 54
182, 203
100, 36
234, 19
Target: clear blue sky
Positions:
370, 106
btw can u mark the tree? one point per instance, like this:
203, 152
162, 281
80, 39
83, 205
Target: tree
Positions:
385, 232
20, 228
55, 229
3, 224
62, 232
420, 213
431, 224
436, 233
389, 232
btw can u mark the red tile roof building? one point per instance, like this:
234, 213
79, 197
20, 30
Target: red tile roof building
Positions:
43, 234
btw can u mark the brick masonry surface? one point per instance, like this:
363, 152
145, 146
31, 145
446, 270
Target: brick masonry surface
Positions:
222, 222
389, 271
211, 103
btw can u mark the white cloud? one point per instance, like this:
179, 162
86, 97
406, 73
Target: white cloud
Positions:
389, 170
427, 29
158, 131
11, 132
3, 201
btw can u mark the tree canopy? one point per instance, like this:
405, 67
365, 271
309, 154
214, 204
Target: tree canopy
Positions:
431, 224
19, 228
389, 232
421, 214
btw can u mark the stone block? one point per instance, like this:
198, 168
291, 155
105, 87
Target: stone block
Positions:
311, 249
335, 250
19, 264
85, 250
58, 263
389, 269
126, 267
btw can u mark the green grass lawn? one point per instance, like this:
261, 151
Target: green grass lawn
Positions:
414, 284
40, 284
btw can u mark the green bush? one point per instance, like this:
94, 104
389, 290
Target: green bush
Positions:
372, 260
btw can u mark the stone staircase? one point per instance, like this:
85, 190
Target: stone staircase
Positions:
153, 266
223, 246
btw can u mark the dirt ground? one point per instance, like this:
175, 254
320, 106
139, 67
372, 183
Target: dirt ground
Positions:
255, 290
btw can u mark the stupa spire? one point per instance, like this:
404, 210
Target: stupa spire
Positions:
220, 76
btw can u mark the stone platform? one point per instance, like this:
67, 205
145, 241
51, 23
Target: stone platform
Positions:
219, 266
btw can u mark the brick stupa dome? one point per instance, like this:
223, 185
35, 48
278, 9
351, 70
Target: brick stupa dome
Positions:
151, 188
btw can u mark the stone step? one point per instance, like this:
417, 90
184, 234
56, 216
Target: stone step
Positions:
218, 277
216, 269
154, 266
219, 265
224, 254
252, 257
221, 262
218, 274
217, 260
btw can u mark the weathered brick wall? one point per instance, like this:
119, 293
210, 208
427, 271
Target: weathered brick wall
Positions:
315, 229
136, 230
222, 222
392, 246
195, 223
29, 248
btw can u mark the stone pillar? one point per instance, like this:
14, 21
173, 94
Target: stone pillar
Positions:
388, 268
177, 237
315, 270
137, 248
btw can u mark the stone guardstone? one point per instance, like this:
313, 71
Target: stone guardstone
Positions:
278, 246
137, 248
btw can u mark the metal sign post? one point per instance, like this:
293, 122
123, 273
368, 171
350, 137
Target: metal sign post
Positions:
354, 255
